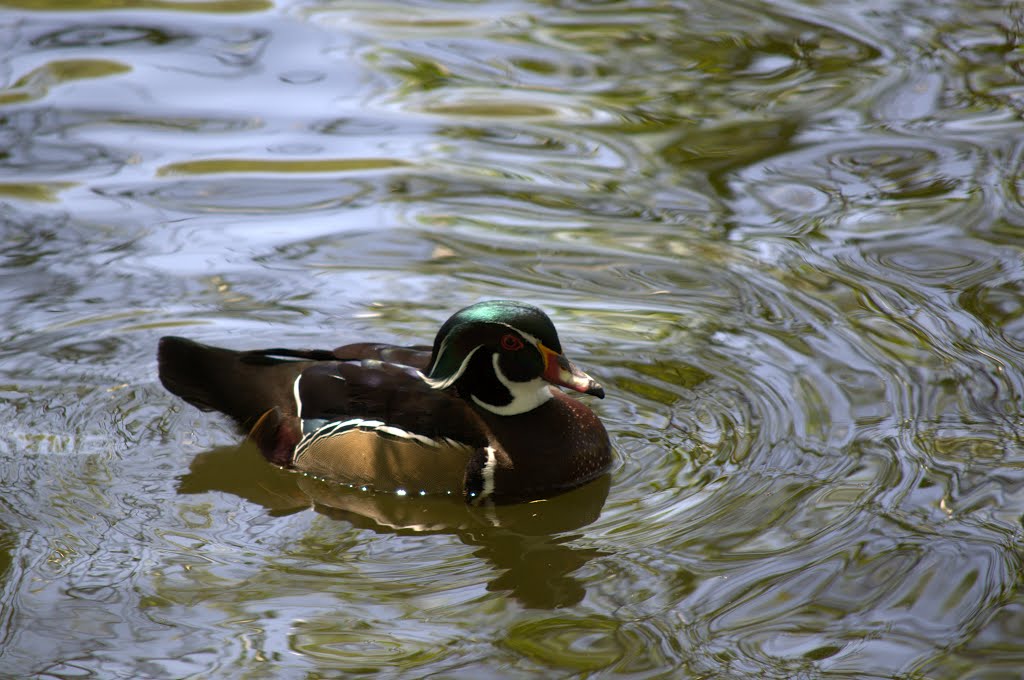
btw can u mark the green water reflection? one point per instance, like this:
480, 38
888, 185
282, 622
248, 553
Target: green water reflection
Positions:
787, 238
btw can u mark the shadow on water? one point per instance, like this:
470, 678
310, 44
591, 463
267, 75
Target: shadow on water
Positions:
530, 543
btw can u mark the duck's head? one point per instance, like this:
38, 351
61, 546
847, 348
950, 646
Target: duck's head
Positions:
502, 355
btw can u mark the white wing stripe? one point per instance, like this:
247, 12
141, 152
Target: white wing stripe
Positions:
339, 427
298, 399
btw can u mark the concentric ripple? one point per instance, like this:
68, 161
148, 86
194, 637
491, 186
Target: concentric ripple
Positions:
785, 236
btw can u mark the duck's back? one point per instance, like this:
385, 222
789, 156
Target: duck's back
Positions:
305, 406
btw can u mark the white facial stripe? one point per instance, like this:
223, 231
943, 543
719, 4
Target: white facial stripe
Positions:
526, 396
447, 382
536, 341
529, 338
440, 353
443, 348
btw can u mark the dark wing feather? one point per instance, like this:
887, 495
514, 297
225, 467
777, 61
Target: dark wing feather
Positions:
365, 380
417, 356
390, 393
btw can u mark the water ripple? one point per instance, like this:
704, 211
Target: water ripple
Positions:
786, 237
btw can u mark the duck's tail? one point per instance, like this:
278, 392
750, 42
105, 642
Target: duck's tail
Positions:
243, 385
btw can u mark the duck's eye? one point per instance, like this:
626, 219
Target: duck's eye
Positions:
511, 343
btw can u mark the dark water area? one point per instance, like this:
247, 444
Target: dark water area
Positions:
786, 236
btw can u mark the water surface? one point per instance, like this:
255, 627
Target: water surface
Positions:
786, 236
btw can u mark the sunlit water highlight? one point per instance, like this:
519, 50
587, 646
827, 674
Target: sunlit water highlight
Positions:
785, 236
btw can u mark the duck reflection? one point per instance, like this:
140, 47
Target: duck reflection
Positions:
527, 541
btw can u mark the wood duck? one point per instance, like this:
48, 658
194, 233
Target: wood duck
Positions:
476, 415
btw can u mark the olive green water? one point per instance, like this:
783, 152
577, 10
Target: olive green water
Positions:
787, 237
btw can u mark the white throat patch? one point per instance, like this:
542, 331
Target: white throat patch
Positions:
526, 396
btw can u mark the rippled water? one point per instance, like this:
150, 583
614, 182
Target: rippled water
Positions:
786, 236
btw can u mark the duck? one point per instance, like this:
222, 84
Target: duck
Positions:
479, 415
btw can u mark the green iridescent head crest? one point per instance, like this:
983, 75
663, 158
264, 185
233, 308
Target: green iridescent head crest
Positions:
470, 328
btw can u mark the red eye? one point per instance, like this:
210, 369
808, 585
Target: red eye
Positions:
511, 342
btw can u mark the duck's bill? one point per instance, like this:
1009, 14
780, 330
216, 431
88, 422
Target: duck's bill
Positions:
560, 371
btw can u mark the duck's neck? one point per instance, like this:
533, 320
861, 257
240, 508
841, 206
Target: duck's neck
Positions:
485, 386
559, 445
